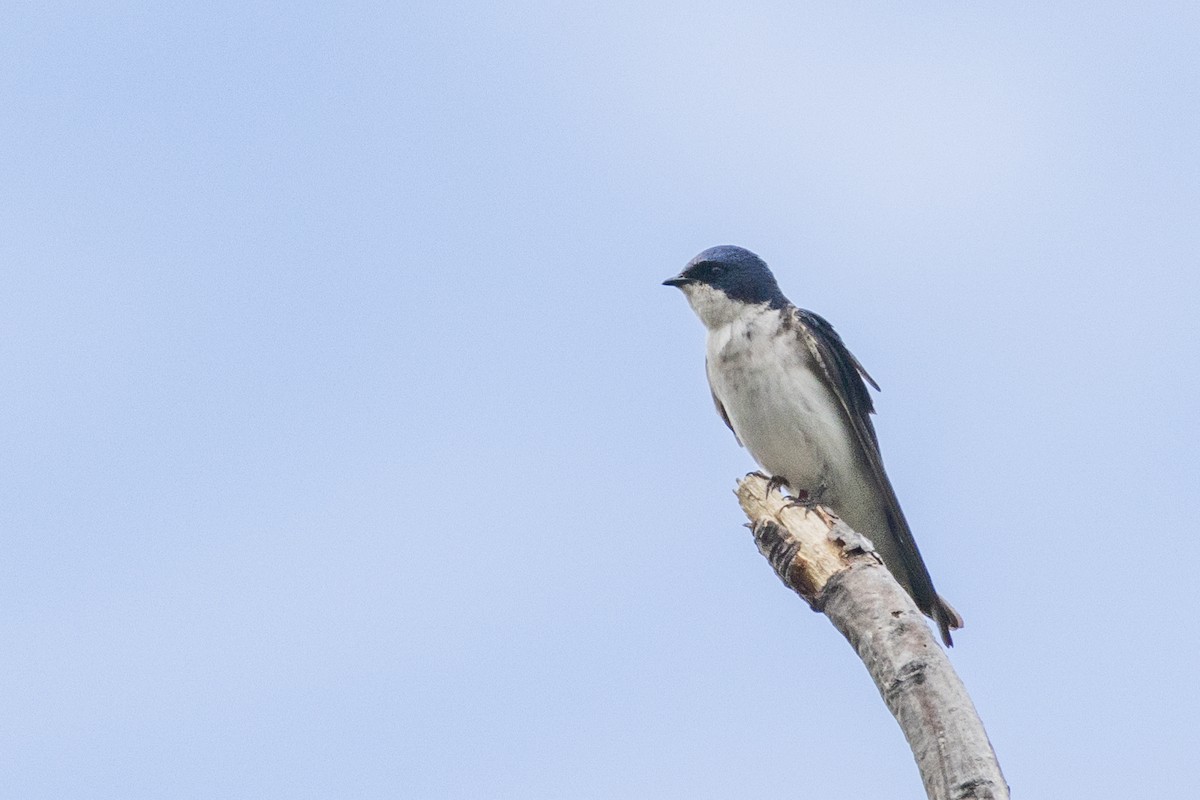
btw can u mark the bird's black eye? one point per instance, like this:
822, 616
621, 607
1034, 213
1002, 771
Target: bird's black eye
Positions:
705, 272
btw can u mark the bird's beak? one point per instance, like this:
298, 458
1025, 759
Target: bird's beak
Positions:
678, 280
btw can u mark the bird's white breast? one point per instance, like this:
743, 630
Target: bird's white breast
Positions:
778, 403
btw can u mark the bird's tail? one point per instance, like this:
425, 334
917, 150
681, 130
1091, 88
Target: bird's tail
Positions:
947, 619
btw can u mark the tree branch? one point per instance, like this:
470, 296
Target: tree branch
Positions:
837, 572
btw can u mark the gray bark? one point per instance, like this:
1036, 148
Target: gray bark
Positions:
837, 572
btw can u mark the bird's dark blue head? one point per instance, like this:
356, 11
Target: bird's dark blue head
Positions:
735, 271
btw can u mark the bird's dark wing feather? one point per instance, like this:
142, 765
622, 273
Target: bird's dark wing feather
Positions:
721, 411
846, 377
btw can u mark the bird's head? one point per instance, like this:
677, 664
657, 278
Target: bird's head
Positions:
721, 281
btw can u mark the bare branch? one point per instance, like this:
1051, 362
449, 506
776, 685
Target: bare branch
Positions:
837, 572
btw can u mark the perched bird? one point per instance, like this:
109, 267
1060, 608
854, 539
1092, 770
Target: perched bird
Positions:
795, 397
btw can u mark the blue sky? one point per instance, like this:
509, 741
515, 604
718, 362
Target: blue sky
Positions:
352, 449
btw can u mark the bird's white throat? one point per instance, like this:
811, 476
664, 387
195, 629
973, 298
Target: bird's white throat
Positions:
715, 309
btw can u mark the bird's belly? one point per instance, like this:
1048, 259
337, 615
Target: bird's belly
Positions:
783, 413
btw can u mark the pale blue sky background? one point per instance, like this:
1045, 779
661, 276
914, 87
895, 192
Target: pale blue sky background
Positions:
352, 449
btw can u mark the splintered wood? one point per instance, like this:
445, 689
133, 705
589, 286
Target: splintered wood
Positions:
806, 545
838, 573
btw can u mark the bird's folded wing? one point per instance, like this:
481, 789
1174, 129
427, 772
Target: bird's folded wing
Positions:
722, 412
846, 377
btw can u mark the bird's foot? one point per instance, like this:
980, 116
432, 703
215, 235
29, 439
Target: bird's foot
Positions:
806, 499
775, 483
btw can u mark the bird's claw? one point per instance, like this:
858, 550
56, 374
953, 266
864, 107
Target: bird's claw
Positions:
806, 499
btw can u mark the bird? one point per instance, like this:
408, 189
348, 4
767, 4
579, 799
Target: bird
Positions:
796, 398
